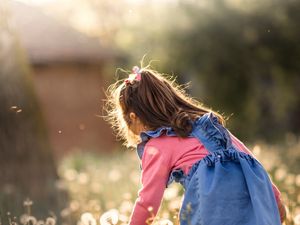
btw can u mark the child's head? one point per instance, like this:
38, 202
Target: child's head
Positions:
146, 101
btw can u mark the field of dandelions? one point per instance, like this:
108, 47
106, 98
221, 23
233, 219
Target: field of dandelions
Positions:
103, 188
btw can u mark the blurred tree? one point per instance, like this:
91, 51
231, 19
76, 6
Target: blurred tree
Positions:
242, 56
247, 61
27, 167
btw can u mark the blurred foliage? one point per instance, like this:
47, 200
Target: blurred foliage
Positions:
247, 62
241, 56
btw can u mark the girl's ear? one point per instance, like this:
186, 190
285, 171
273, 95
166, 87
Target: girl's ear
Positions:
132, 116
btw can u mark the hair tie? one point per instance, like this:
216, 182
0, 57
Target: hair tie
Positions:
135, 75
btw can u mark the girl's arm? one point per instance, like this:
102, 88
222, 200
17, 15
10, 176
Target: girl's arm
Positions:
155, 172
276, 191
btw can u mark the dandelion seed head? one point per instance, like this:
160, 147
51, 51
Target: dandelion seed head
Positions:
114, 175
87, 219
189, 207
83, 178
74, 205
70, 174
109, 217
164, 222
165, 214
170, 193
40, 222
50, 221
290, 179
127, 196
135, 177
280, 173
31, 220
297, 180
256, 150
126, 206
27, 202
65, 212
123, 218
23, 218
110, 204
174, 204
16, 109
297, 219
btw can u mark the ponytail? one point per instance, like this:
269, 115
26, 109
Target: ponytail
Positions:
182, 123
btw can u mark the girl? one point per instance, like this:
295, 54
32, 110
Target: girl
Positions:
176, 137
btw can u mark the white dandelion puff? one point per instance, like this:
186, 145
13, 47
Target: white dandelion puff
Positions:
88, 219
110, 217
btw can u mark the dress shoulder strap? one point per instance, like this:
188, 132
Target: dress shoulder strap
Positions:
211, 133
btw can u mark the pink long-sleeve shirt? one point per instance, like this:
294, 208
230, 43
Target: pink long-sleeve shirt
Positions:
162, 155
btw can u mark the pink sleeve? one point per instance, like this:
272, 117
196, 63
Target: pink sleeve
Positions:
242, 147
155, 172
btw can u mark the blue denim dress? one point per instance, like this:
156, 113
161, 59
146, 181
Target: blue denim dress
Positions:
227, 187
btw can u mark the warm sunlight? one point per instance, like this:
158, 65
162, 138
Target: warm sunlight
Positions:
214, 85
36, 2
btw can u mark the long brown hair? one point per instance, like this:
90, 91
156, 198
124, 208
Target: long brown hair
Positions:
157, 101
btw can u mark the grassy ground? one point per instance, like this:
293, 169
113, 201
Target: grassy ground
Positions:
102, 188
104, 185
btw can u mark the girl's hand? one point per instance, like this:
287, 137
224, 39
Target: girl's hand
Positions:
282, 210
